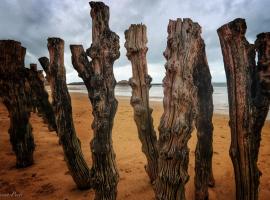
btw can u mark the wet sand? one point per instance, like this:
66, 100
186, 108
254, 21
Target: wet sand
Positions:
49, 178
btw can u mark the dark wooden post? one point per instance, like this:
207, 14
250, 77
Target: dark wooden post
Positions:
248, 103
40, 97
184, 52
100, 82
262, 45
15, 96
55, 70
140, 82
203, 123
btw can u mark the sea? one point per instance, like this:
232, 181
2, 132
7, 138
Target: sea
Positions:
220, 95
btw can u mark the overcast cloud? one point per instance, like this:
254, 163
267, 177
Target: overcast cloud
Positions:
33, 21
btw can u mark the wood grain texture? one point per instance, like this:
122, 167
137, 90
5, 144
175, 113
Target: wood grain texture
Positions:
184, 102
16, 96
55, 70
140, 82
248, 102
100, 82
203, 122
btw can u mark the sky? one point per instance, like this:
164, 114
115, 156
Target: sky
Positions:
32, 21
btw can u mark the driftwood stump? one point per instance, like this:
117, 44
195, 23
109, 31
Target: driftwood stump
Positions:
248, 86
100, 82
187, 97
15, 95
55, 70
140, 82
40, 97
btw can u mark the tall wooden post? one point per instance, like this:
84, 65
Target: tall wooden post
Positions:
100, 82
15, 95
183, 89
55, 70
140, 82
203, 123
248, 102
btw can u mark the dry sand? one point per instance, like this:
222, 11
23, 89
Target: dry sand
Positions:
48, 178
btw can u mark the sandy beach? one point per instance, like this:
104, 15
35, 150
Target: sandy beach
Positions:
49, 178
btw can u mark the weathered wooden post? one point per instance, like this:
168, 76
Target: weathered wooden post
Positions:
262, 45
140, 82
15, 96
203, 123
176, 122
185, 95
40, 97
33, 67
100, 82
248, 86
55, 70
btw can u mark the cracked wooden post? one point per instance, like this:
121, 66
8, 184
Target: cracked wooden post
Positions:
179, 100
140, 82
40, 97
100, 82
203, 123
248, 102
15, 96
55, 70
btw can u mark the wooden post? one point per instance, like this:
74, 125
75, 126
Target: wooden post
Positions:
248, 103
15, 96
140, 82
203, 123
55, 70
40, 97
183, 90
262, 45
100, 82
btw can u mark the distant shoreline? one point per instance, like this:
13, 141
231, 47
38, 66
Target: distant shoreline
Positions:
220, 98
120, 83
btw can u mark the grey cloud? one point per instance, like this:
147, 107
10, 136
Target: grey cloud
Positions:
32, 22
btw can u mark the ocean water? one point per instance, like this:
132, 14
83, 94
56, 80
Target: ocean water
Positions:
220, 95
220, 98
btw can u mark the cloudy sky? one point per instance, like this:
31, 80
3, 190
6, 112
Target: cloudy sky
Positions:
33, 21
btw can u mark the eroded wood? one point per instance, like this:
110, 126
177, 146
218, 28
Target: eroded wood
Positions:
203, 123
40, 97
248, 102
16, 96
100, 82
180, 106
140, 82
56, 74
